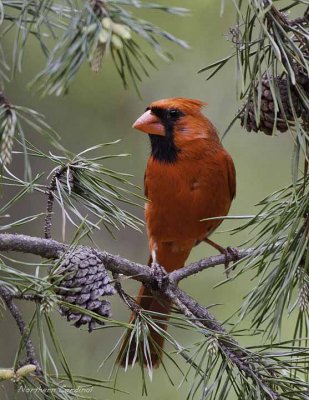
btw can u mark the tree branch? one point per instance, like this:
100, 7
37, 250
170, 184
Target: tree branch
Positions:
17, 315
213, 261
50, 201
198, 314
48, 248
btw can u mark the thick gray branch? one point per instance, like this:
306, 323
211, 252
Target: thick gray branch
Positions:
48, 248
200, 315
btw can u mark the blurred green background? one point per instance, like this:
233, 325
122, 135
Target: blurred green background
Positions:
97, 109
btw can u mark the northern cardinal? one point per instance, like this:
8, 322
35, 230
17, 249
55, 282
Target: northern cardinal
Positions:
189, 177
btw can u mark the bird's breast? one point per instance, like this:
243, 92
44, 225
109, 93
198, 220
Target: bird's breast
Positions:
181, 195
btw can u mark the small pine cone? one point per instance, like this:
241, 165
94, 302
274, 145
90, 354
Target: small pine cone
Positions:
84, 282
303, 296
303, 289
267, 113
7, 140
212, 346
97, 57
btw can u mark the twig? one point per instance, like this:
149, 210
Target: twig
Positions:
299, 20
4, 101
17, 315
50, 201
131, 303
290, 22
29, 297
214, 261
201, 317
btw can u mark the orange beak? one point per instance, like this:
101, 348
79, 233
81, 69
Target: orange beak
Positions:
149, 123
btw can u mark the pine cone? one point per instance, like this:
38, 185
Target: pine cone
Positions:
301, 73
303, 79
84, 282
267, 114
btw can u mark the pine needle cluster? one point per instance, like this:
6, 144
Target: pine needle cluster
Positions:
271, 57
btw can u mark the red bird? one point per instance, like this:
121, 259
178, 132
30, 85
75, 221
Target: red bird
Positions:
189, 177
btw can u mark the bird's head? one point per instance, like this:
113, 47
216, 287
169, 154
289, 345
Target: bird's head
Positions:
162, 116
172, 125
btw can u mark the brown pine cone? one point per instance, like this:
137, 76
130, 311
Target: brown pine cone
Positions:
83, 282
267, 113
302, 78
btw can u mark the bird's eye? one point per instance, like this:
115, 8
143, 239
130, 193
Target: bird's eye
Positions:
174, 113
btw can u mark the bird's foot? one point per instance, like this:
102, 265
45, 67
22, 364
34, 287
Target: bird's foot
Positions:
234, 252
158, 274
230, 252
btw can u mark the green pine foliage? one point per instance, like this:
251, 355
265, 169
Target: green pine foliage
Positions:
271, 60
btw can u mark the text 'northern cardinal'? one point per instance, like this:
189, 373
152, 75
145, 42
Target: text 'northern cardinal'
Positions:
189, 177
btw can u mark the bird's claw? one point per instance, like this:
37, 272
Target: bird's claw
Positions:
158, 274
234, 253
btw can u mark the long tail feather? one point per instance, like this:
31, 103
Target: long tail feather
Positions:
156, 340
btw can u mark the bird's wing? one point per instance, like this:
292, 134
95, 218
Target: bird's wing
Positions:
231, 175
145, 185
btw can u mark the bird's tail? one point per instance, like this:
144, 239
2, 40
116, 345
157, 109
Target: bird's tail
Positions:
128, 351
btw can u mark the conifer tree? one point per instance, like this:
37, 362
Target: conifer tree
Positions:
271, 55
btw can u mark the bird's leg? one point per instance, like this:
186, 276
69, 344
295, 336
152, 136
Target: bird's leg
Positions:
226, 251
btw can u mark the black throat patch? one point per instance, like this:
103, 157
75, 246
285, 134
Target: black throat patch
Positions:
163, 148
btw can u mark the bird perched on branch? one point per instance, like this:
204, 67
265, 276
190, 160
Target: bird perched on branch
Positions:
189, 177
